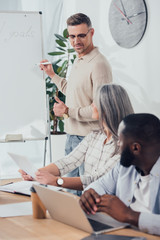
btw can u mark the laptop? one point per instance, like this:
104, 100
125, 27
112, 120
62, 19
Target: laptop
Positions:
64, 207
112, 237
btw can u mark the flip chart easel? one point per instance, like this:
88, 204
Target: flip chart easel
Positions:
22, 84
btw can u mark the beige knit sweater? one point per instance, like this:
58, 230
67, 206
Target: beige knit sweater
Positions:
87, 73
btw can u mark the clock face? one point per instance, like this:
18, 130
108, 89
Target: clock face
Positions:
127, 21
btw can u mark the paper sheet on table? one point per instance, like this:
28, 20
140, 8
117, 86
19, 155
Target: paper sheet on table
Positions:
23, 187
24, 164
16, 209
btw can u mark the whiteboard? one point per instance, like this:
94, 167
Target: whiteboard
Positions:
22, 84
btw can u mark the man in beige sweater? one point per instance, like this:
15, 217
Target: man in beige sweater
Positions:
89, 70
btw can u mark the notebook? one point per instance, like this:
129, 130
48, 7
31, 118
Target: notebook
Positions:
64, 207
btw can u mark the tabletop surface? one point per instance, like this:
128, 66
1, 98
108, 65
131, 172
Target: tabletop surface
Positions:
26, 227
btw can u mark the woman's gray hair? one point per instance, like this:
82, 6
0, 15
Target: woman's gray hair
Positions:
113, 104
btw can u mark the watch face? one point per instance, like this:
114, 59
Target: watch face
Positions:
127, 21
60, 181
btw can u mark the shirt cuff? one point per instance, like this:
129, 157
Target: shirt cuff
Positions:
56, 79
86, 180
71, 112
149, 223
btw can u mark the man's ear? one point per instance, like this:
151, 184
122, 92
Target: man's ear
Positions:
135, 148
92, 31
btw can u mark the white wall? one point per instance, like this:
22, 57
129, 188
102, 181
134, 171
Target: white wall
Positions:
137, 69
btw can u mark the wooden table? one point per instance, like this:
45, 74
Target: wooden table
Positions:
27, 228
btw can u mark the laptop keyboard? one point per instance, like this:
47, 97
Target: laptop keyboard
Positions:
98, 226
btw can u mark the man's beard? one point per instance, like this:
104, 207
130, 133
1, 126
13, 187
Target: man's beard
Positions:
127, 158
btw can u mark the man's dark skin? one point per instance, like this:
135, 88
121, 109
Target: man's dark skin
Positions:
143, 155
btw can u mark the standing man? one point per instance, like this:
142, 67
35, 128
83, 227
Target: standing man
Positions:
130, 192
89, 70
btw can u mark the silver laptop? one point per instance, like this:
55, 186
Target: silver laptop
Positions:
64, 207
112, 237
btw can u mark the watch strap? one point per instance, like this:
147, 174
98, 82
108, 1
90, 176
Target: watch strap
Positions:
66, 115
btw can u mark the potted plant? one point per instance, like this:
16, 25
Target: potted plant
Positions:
65, 56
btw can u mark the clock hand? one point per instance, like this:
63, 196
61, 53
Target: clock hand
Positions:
122, 14
134, 15
124, 9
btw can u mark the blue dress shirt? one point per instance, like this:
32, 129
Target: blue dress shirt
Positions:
121, 181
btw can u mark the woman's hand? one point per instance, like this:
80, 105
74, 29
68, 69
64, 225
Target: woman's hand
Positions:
44, 177
25, 176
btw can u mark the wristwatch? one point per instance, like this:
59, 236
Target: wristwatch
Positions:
66, 115
60, 181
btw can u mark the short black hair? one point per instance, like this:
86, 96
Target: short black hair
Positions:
144, 127
78, 19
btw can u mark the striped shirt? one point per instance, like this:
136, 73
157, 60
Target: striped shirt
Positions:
96, 155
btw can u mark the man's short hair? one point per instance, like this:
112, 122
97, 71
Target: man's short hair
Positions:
78, 19
142, 127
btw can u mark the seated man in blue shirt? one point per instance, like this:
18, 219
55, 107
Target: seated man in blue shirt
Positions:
130, 192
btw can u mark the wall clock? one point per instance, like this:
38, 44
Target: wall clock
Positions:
127, 21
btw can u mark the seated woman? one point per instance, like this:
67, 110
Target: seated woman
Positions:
98, 150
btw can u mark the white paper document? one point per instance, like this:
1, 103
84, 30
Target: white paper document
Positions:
16, 209
24, 164
22, 187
